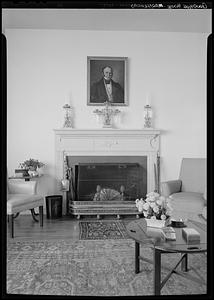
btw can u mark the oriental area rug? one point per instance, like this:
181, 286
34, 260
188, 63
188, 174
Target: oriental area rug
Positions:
102, 230
91, 268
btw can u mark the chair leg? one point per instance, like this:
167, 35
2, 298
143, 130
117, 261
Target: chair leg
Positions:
33, 214
41, 215
11, 225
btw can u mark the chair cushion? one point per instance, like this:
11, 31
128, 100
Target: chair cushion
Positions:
188, 201
21, 202
23, 187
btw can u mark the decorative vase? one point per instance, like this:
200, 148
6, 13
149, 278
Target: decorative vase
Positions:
65, 185
33, 173
156, 223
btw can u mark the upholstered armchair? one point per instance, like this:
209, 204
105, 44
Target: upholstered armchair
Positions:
21, 196
188, 192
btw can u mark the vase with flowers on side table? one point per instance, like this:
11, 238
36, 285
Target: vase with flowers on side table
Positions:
33, 166
33, 172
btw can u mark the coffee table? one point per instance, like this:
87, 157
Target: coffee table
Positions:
152, 237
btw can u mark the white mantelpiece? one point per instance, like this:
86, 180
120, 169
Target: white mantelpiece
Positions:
107, 142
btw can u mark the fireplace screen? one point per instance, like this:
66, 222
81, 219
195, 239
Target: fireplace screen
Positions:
108, 181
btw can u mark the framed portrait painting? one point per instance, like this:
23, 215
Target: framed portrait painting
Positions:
107, 80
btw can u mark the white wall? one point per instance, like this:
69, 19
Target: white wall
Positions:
47, 68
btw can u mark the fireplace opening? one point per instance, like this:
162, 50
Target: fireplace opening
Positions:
126, 175
102, 185
108, 181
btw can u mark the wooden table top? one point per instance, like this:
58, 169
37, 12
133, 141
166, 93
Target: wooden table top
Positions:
153, 237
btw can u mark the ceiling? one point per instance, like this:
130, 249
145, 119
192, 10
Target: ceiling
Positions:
166, 20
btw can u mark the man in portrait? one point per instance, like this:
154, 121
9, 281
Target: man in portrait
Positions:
106, 89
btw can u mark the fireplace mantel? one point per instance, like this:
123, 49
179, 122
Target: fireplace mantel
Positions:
107, 142
105, 131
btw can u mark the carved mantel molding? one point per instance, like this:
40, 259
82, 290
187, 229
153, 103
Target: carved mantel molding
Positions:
107, 142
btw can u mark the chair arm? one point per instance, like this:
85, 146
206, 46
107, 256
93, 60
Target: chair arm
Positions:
26, 187
170, 187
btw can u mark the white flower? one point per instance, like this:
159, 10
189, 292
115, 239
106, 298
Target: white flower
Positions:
153, 217
159, 202
145, 214
146, 206
152, 194
163, 217
155, 209
139, 204
136, 201
140, 207
152, 204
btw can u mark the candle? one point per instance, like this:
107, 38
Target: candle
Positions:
148, 99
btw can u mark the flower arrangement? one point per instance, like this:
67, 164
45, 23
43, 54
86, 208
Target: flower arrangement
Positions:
154, 206
31, 164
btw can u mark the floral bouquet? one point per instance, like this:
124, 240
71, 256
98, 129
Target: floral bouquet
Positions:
31, 164
154, 206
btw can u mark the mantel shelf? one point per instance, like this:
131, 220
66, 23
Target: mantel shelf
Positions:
107, 132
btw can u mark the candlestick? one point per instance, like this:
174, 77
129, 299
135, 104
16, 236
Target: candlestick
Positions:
107, 114
68, 116
147, 116
148, 99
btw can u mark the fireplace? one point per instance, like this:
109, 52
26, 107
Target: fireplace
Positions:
103, 185
131, 152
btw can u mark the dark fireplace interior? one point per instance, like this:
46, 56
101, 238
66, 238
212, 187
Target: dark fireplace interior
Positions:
103, 178
107, 181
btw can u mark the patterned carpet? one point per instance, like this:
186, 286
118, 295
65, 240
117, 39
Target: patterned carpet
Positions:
102, 230
90, 268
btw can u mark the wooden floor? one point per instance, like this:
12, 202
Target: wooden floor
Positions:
66, 227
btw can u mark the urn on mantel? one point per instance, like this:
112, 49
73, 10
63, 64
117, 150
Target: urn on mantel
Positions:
107, 114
